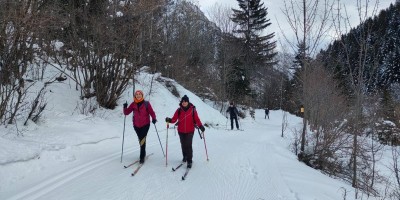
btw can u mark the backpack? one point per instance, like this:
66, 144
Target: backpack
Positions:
146, 104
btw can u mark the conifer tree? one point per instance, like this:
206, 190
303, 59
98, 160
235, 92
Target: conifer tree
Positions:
258, 50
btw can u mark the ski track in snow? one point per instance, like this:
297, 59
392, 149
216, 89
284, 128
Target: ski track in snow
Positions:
275, 175
226, 185
252, 177
58, 181
269, 175
251, 169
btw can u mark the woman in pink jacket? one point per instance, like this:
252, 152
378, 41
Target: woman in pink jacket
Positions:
187, 118
142, 111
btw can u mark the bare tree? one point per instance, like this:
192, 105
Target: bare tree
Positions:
328, 137
103, 47
396, 170
219, 14
358, 82
309, 21
20, 27
189, 44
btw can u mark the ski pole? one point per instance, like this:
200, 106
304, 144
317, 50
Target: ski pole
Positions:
159, 140
240, 124
204, 140
166, 147
226, 123
175, 129
123, 138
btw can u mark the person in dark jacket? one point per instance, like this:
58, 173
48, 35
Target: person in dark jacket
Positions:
187, 118
142, 111
233, 113
266, 113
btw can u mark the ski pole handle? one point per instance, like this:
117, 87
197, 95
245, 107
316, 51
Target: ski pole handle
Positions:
198, 130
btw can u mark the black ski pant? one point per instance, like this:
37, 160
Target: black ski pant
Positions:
142, 134
186, 145
237, 124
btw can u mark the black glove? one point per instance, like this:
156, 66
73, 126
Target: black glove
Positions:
154, 121
125, 105
202, 128
168, 120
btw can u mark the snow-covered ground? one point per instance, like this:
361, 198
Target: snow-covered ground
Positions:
72, 156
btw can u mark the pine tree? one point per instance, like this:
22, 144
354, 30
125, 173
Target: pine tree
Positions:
258, 50
238, 83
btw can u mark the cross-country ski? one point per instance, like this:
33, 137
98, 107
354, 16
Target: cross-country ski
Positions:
137, 169
185, 174
177, 167
139, 166
126, 166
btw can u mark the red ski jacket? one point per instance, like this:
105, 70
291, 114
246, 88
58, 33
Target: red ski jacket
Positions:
185, 119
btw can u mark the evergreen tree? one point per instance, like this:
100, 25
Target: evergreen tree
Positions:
238, 83
258, 50
383, 52
388, 105
252, 19
301, 57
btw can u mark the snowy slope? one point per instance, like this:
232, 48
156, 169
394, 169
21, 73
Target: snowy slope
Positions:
73, 156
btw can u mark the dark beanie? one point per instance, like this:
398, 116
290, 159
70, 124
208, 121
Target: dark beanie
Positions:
185, 98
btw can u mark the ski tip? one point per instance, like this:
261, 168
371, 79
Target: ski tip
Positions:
125, 167
173, 169
132, 174
183, 178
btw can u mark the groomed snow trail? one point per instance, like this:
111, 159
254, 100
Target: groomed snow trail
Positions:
249, 164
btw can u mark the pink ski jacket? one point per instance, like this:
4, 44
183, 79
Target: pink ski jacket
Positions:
141, 114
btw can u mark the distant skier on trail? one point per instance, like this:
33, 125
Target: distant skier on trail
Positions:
187, 118
266, 113
233, 113
142, 111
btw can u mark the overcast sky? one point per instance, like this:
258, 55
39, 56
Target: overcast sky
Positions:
275, 12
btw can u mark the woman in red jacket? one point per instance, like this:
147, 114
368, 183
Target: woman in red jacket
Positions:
187, 118
142, 111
